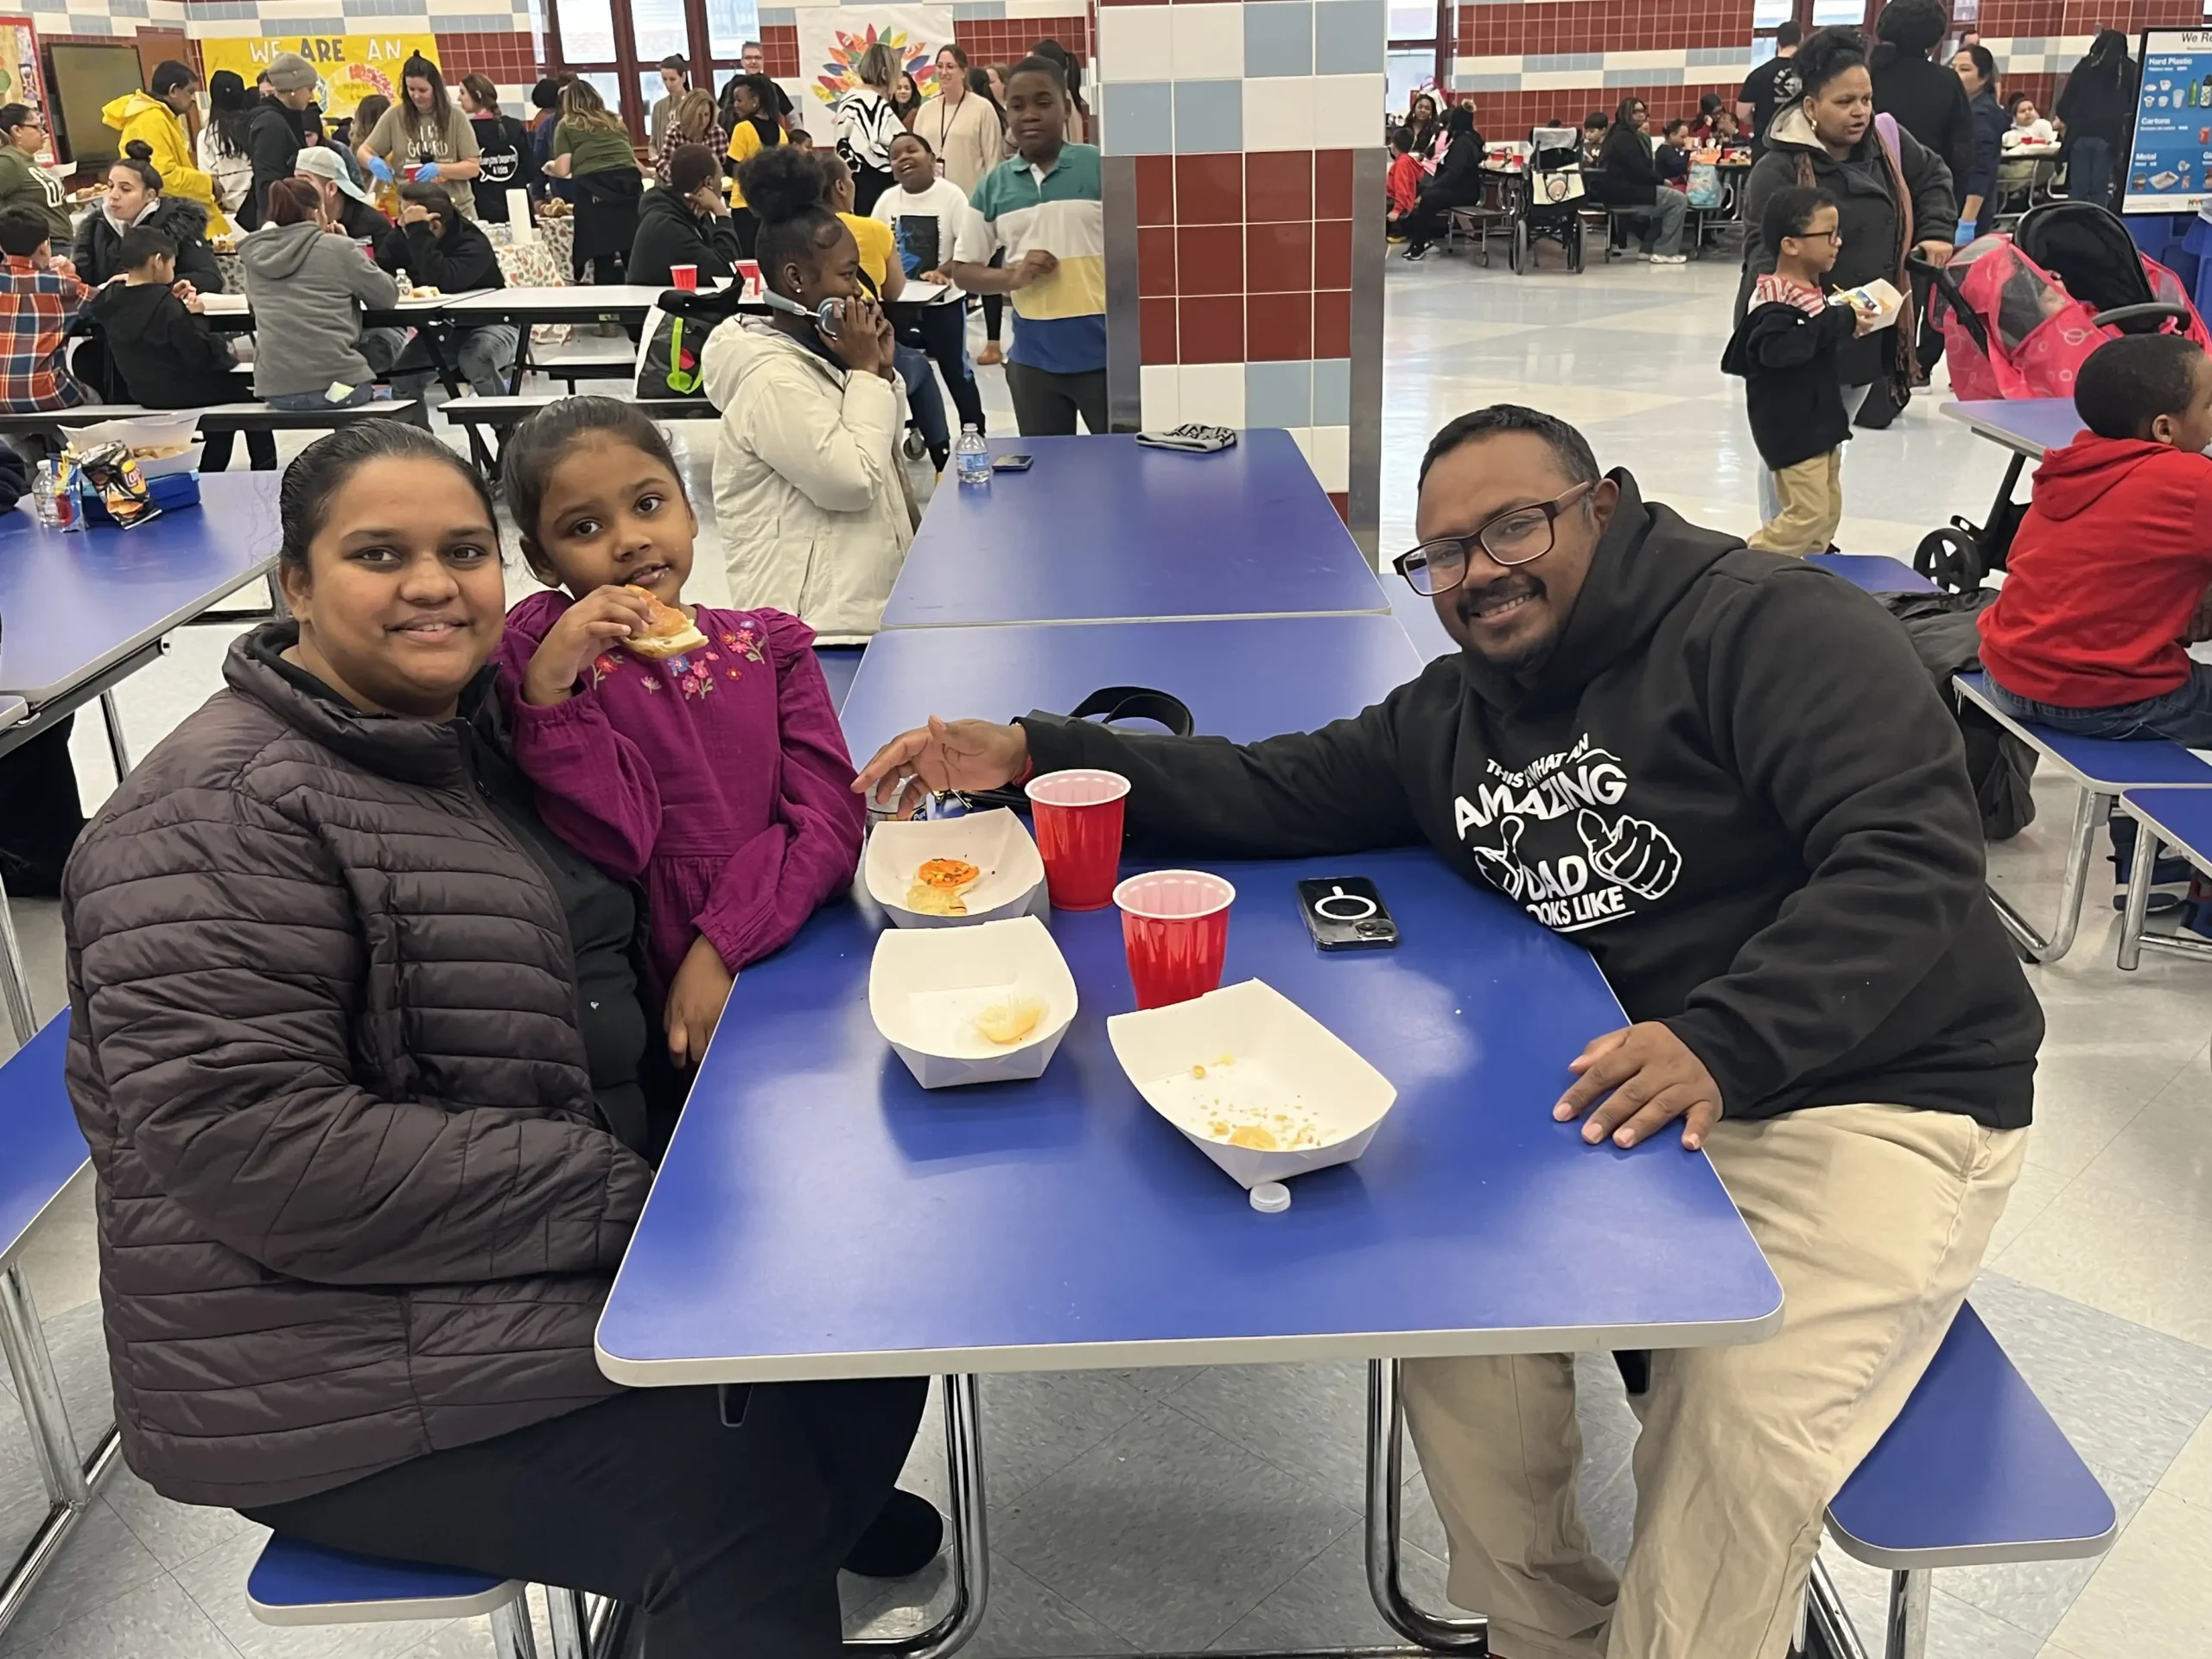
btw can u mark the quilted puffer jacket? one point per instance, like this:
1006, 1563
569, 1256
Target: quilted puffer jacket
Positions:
356, 1201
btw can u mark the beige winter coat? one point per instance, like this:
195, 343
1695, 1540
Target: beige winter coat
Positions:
808, 498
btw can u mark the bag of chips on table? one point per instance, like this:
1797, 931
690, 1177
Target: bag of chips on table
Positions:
107, 478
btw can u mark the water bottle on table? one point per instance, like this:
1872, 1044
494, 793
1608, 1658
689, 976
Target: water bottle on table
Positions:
973, 456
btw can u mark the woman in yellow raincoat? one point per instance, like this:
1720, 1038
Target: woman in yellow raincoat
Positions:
157, 117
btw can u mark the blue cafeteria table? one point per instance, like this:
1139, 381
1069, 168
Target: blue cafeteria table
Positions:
818, 1215
1878, 573
2180, 819
2026, 426
1240, 680
1104, 530
84, 609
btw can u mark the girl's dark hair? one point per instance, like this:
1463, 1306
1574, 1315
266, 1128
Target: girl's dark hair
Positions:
979, 81
138, 157
480, 87
228, 111
168, 75
1985, 64
1623, 110
420, 68
141, 246
1070, 70
1460, 119
1789, 211
433, 199
1709, 103
1675, 126
540, 442
546, 95
2011, 104
784, 186
320, 470
1826, 53
1908, 28
292, 201
13, 116
370, 110
2107, 56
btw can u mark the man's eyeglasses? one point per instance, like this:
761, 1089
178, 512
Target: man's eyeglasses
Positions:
1514, 537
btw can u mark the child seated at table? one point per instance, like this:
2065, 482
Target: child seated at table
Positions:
162, 349
1785, 349
1671, 159
2106, 581
41, 300
1403, 182
706, 762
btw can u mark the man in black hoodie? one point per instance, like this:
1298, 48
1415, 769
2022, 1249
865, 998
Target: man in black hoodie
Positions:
1724, 772
273, 130
437, 248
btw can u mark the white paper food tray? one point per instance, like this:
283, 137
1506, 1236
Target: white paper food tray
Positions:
1286, 1069
926, 987
147, 432
1013, 882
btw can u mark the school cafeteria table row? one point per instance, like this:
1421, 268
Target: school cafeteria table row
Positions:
820, 1215
87, 609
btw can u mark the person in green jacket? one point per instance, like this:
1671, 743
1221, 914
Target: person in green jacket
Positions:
23, 182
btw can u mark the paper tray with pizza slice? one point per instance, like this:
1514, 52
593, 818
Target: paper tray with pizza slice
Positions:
954, 872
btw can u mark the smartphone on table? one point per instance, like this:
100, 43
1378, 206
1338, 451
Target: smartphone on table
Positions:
1346, 912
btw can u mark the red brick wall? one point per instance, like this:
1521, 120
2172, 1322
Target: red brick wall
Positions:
1601, 26
1510, 115
510, 59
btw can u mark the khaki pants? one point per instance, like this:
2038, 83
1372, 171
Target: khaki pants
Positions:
1812, 506
1874, 1218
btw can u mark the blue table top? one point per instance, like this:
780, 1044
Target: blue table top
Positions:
1103, 530
820, 1215
1878, 573
1972, 1471
75, 603
2029, 425
2106, 765
1240, 680
2182, 816
41, 1149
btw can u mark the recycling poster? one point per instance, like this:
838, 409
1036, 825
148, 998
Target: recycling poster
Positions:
2170, 168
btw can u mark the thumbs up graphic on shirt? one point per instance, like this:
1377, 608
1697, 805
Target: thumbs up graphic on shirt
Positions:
1631, 851
1502, 866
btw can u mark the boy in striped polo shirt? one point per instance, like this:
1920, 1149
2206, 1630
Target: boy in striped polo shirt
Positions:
1042, 207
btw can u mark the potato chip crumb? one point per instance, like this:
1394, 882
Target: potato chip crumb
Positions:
1197, 1070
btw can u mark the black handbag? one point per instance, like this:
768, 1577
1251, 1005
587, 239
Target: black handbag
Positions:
1109, 705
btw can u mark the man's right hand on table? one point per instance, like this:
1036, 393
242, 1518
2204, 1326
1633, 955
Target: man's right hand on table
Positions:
941, 756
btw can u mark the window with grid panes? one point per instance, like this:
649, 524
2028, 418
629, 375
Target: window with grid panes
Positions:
618, 45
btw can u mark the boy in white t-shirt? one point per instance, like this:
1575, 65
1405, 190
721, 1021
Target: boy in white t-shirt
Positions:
932, 225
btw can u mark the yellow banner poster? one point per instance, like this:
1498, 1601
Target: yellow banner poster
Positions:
352, 66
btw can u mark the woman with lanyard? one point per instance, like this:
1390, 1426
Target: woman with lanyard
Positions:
867, 123
964, 130
427, 131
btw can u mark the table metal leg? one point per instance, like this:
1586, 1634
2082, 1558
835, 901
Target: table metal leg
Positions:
116, 747
1386, 1414
31, 1364
45, 1546
1827, 1622
15, 989
1908, 1632
566, 1617
512, 1637
970, 1544
2139, 872
2090, 812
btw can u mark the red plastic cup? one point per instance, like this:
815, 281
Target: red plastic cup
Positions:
748, 277
1079, 818
1175, 927
683, 276
410, 169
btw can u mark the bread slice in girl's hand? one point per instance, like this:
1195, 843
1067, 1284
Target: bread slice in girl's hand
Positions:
668, 632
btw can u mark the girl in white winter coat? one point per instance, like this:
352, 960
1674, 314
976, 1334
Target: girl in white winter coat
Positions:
811, 502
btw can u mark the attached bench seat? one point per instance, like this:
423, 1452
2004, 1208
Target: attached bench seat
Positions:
217, 417
1973, 1472
296, 1583
2103, 768
2177, 818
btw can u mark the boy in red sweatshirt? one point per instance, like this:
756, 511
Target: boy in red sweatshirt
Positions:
1403, 182
2105, 586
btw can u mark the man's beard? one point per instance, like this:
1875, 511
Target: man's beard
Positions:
1524, 659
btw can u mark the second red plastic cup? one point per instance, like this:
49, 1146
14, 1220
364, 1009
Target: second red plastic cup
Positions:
1175, 927
685, 278
1079, 818
748, 277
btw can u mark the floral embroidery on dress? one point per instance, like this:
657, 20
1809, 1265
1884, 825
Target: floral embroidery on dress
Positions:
603, 668
693, 675
746, 642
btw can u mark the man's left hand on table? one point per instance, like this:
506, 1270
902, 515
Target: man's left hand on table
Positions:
1640, 1079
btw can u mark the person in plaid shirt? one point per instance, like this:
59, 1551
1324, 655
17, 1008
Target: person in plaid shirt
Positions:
40, 299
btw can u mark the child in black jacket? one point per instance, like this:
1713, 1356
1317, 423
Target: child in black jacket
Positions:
162, 349
1785, 349
437, 248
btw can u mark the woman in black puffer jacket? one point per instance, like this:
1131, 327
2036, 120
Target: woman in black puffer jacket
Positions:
134, 197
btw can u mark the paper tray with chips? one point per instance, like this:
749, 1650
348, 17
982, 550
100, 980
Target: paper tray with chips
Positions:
1247, 1061
1012, 879
932, 990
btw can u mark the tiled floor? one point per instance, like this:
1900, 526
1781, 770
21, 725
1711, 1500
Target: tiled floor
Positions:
1185, 1510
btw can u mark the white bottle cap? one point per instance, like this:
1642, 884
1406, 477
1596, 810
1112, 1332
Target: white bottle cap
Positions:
1270, 1198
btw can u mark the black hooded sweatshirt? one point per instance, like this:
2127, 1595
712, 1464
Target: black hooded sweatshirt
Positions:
1787, 357
1732, 782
